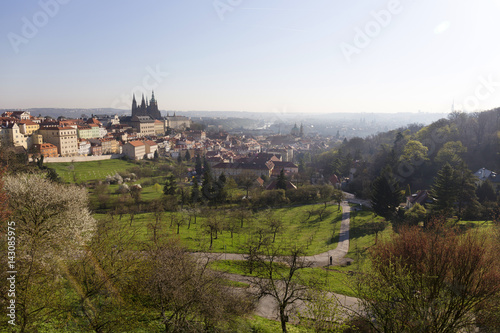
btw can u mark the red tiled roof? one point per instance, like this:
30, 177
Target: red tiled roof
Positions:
28, 122
136, 143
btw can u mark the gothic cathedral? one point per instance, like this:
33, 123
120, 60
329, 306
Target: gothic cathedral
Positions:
144, 109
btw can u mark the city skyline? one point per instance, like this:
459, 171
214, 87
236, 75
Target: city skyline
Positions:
259, 56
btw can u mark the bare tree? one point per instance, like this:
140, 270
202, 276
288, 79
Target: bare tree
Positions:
242, 215
158, 209
276, 225
187, 295
279, 277
212, 224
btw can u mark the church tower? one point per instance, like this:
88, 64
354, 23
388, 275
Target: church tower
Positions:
146, 109
153, 111
134, 104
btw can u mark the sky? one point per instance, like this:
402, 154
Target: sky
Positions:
314, 56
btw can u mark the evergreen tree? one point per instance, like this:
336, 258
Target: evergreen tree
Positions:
346, 165
444, 192
281, 183
485, 192
222, 178
206, 166
467, 202
195, 191
386, 194
187, 157
170, 187
198, 165
221, 194
179, 158
208, 188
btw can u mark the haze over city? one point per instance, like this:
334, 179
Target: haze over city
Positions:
220, 55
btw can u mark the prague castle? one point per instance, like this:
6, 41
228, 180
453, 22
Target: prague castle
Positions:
144, 109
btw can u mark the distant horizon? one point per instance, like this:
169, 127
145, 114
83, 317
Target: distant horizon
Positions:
236, 111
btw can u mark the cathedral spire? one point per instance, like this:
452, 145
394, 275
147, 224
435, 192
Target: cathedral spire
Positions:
143, 102
134, 103
153, 98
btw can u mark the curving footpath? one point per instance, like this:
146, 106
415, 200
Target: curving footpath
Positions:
336, 255
317, 260
266, 306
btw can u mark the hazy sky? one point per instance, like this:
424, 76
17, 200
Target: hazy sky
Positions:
252, 55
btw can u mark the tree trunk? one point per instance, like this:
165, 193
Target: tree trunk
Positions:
283, 319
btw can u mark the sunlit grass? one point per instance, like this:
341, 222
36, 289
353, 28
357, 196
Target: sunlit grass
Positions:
314, 235
87, 171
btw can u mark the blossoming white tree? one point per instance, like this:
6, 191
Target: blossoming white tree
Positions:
53, 224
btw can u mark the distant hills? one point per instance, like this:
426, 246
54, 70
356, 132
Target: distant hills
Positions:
344, 124
278, 115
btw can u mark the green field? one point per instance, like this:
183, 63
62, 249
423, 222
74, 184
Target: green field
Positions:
87, 171
315, 235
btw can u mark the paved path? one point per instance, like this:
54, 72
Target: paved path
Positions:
317, 260
323, 259
267, 306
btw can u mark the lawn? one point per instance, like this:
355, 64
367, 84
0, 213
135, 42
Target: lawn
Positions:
86, 171
315, 235
362, 235
263, 325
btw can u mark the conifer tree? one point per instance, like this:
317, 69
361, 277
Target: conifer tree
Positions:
170, 185
444, 192
386, 194
467, 202
195, 191
198, 165
281, 183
